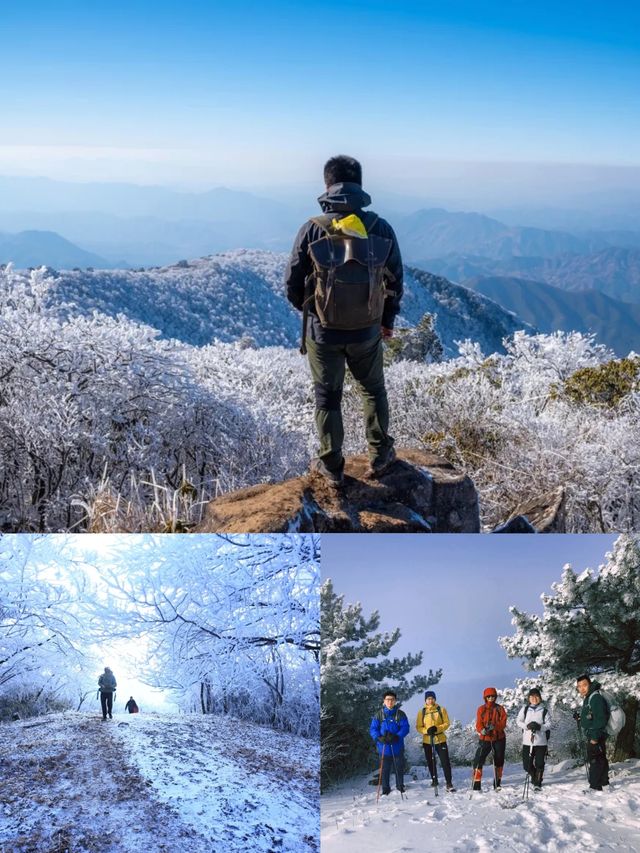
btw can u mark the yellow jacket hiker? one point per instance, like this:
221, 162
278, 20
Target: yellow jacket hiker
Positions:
432, 722
429, 716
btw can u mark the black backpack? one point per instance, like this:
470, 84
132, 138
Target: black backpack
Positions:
347, 284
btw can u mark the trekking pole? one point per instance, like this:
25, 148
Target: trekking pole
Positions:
395, 768
525, 792
380, 776
434, 764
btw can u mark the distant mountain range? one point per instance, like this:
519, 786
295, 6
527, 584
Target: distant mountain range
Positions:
613, 271
615, 323
45, 248
237, 294
434, 233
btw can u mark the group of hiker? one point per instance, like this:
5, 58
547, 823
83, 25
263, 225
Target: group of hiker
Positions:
390, 726
107, 685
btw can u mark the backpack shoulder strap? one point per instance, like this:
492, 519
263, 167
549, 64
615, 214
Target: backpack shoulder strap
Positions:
526, 709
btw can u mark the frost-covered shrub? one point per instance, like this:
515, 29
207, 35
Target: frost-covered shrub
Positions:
103, 425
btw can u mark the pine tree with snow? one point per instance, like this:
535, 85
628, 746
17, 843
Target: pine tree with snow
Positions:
356, 670
591, 623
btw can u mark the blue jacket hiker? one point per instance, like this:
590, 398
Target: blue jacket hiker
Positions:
388, 729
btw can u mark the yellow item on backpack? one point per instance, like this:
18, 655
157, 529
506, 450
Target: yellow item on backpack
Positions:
350, 225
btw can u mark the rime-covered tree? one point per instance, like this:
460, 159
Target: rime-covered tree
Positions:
42, 637
591, 623
355, 671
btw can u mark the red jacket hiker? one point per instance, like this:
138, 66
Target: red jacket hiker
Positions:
491, 721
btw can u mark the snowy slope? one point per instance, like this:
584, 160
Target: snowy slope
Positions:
155, 782
560, 817
238, 293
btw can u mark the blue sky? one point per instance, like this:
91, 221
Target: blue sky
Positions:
450, 596
228, 92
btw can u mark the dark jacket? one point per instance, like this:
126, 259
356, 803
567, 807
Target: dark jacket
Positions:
342, 199
394, 722
594, 714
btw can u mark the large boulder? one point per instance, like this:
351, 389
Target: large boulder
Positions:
420, 493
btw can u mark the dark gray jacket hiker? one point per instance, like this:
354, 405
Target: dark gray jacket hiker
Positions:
345, 274
106, 686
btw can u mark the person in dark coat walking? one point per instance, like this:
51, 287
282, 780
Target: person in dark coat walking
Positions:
345, 275
106, 686
132, 706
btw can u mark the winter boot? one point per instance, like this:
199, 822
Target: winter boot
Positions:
477, 779
434, 782
537, 780
498, 778
450, 787
378, 466
335, 477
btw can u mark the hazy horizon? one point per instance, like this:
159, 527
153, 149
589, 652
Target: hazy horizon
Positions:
208, 94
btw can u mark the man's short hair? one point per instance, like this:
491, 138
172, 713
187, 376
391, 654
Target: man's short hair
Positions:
342, 169
390, 693
583, 677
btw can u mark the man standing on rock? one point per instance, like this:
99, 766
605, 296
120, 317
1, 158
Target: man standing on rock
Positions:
106, 687
345, 275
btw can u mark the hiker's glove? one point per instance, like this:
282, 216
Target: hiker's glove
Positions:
432, 730
576, 716
534, 727
381, 739
488, 729
484, 731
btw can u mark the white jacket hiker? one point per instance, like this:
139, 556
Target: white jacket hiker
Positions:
534, 713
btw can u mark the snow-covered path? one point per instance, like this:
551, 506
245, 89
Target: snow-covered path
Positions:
560, 817
155, 782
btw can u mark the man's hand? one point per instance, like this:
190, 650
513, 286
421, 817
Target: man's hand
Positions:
432, 730
386, 333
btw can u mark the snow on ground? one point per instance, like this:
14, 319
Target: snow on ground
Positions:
155, 782
560, 817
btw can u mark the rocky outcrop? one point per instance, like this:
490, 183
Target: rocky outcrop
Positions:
543, 514
420, 493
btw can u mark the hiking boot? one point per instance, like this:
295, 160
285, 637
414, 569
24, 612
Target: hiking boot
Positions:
450, 787
387, 792
434, 783
110, 717
384, 461
334, 477
401, 788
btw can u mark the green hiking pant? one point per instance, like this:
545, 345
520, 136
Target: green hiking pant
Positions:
364, 360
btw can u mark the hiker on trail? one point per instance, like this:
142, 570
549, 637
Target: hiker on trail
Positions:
389, 728
106, 688
593, 721
432, 723
535, 721
131, 706
345, 275
491, 721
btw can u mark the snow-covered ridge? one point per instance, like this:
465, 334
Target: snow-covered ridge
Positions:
240, 294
